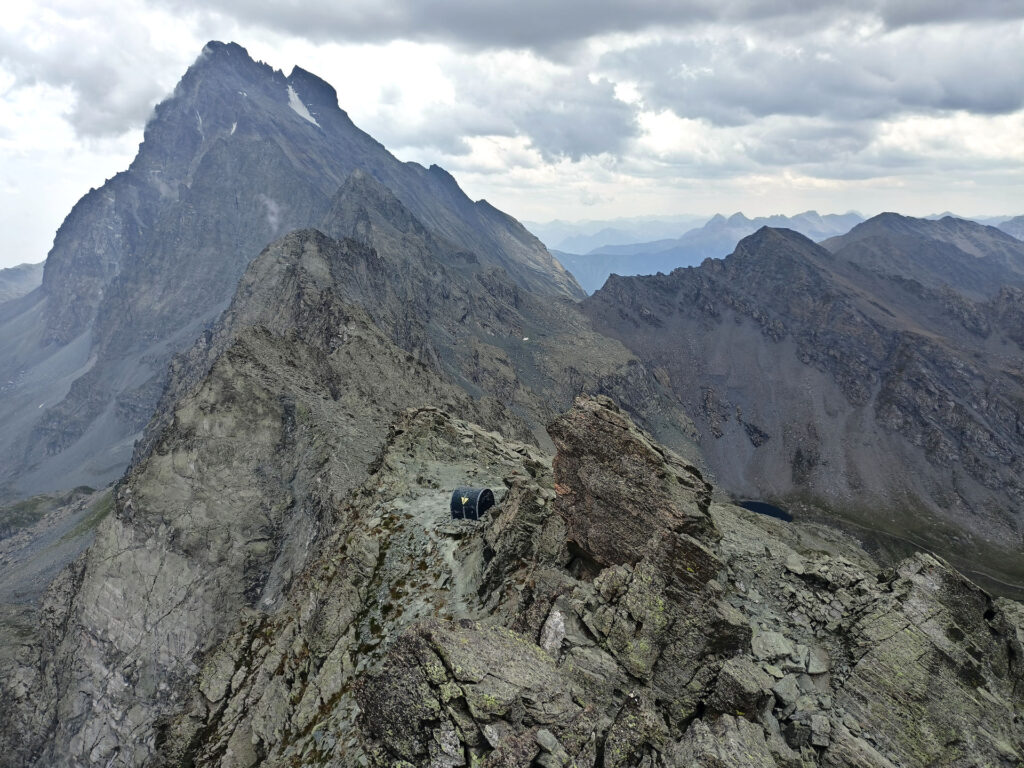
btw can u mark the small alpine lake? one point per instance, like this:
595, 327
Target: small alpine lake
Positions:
764, 508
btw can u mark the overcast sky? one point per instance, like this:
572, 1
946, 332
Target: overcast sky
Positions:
576, 110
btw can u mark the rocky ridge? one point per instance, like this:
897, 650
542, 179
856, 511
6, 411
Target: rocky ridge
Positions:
517, 353
272, 417
605, 613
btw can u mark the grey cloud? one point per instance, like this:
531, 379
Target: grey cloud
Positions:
724, 79
111, 74
802, 144
571, 136
533, 24
576, 118
564, 116
548, 26
899, 13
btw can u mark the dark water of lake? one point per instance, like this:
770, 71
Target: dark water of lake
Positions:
764, 508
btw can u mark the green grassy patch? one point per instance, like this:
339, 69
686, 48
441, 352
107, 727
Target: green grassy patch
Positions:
87, 524
26, 513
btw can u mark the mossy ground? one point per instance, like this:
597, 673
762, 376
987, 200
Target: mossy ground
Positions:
100, 509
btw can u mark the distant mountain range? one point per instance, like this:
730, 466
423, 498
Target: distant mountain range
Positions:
715, 239
585, 236
1014, 226
19, 280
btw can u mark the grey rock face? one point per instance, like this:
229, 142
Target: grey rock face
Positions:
643, 497
874, 381
297, 383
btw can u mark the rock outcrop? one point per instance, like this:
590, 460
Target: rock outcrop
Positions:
400, 636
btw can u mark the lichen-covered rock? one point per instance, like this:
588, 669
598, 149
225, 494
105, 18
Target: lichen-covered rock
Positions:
446, 681
932, 674
724, 742
742, 689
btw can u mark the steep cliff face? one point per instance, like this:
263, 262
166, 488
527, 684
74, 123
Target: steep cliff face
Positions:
834, 379
238, 156
605, 613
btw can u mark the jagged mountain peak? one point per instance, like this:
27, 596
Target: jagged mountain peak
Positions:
314, 88
775, 242
220, 57
215, 48
236, 157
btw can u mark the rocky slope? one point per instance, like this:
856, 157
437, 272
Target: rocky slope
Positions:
878, 380
239, 155
276, 581
516, 352
606, 613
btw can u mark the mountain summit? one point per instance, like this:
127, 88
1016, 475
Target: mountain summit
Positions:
239, 155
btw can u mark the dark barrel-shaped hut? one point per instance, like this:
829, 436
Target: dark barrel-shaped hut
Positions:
471, 503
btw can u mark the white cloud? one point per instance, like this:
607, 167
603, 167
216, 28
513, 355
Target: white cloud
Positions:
45, 168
